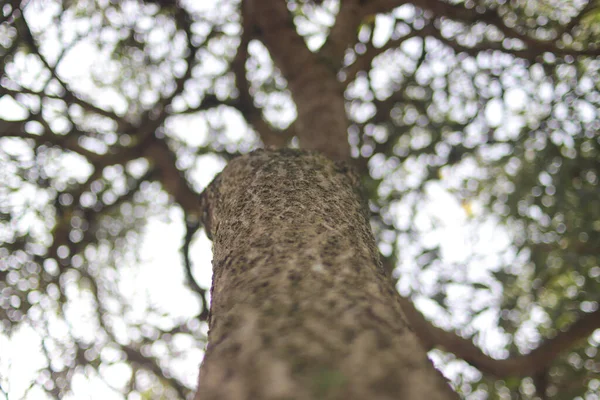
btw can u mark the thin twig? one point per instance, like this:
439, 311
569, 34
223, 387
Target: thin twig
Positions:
191, 226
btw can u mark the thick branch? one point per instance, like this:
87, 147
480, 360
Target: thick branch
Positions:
343, 32
322, 123
171, 178
523, 365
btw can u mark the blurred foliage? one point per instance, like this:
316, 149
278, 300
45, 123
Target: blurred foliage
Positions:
477, 123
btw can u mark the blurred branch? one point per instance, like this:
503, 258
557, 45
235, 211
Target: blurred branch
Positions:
245, 104
62, 228
530, 54
147, 145
191, 226
313, 84
133, 354
278, 32
151, 363
385, 107
6, 54
209, 101
172, 179
537, 361
54, 391
363, 61
155, 149
184, 21
343, 33
12, 14
541, 381
491, 17
68, 142
69, 96
591, 4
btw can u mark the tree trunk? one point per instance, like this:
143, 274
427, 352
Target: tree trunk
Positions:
301, 307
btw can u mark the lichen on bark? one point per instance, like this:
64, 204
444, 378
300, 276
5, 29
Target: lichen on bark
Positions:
301, 307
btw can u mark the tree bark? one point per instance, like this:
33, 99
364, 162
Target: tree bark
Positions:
301, 307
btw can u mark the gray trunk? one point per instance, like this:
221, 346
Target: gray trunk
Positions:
301, 307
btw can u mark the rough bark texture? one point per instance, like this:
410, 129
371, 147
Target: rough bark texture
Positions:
301, 307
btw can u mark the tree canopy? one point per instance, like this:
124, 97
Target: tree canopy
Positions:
473, 124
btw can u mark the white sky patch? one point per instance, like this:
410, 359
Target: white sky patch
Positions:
163, 273
515, 99
494, 112
586, 112
384, 27
95, 388
404, 12
192, 129
11, 110
205, 168
546, 92
20, 359
237, 128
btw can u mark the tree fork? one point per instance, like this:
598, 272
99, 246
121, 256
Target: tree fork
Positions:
301, 307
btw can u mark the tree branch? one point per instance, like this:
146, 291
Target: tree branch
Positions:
69, 96
591, 4
491, 17
343, 32
530, 54
184, 21
245, 105
69, 142
279, 33
133, 354
171, 178
363, 62
151, 363
191, 226
536, 362
322, 123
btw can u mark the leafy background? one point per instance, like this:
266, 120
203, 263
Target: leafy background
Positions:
474, 124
